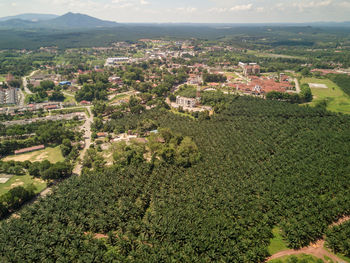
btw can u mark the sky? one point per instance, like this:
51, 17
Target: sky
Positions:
193, 11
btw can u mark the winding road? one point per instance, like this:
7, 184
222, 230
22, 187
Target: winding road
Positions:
25, 82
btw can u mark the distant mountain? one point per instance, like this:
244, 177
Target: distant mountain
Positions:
67, 21
72, 20
331, 24
30, 17
17, 23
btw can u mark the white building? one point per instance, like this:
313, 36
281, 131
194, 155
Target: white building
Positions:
114, 61
186, 102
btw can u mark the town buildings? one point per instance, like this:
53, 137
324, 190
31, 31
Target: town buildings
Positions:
250, 69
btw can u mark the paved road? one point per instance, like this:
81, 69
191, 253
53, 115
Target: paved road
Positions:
22, 97
87, 127
25, 82
297, 85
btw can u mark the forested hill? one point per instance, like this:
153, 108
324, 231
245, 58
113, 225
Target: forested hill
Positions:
263, 164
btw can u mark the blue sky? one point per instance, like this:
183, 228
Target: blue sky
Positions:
205, 11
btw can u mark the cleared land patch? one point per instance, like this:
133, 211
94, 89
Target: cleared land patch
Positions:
22, 180
53, 155
335, 98
277, 242
5, 177
318, 86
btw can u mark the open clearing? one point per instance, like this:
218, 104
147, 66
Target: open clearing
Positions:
337, 100
318, 86
22, 180
5, 177
53, 155
277, 243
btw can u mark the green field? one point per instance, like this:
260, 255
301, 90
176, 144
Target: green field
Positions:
53, 155
297, 258
338, 101
2, 78
277, 243
22, 180
271, 55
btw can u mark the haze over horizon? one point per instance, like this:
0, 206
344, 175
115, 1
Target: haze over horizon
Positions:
192, 11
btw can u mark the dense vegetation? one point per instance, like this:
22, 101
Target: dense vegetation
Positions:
305, 95
338, 239
263, 163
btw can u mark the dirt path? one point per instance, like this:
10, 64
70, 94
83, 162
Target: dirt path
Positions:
316, 250
87, 127
297, 85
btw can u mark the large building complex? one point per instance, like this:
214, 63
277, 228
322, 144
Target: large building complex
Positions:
114, 61
186, 102
8, 96
250, 69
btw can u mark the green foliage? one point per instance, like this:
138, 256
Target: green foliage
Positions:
338, 239
45, 133
57, 96
214, 78
305, 93
127, 154
283, 96
14, 198
187, 91
57, 171
91, 92
47, 84
262, 163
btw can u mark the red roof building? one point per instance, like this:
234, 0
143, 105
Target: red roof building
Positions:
30, 149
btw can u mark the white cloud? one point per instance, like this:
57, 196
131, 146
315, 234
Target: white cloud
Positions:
344, 4
313, 4
218, 10
242, 7
144, 2
234, 8
188, 10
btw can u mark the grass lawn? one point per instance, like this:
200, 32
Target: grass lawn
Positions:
69, 98
271, 55
22, 180
231, 74
338, 100
183, 114
290, 259
53, 155
2, 79
277, 243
